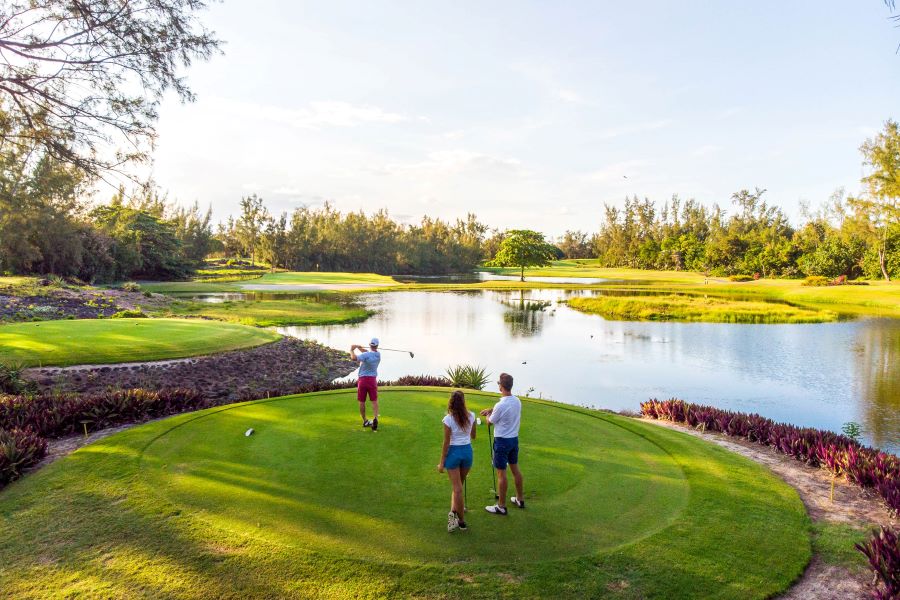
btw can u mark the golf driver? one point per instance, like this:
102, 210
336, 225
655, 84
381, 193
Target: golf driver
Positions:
411, 354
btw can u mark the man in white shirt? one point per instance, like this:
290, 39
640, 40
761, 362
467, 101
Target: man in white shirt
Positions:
506, 417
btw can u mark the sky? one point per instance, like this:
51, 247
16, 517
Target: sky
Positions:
529, 114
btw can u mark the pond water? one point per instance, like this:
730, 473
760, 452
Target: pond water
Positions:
820, 375
477, 276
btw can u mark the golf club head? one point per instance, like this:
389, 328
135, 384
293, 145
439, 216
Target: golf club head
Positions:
411, 355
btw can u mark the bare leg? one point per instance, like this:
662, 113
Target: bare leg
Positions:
362, 410
501, 487
374, 409
517, 477
456, 497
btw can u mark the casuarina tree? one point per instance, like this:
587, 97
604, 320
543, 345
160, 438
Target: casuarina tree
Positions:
523, 248
79, 76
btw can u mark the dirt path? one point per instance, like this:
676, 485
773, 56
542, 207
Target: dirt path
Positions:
852, 505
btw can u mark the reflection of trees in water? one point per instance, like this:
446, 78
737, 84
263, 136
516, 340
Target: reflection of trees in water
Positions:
523, 316
878, 374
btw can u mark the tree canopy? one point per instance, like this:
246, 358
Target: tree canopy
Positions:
524, 248
78, 78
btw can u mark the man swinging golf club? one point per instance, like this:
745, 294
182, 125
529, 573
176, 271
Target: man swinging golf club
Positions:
367, 383
505, 417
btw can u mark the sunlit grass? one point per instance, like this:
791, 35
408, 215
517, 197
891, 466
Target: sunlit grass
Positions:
99, 341
314, 505
696, 308
269, 313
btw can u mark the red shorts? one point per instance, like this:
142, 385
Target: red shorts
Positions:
367, 385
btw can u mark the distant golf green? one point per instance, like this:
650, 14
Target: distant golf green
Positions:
312, 504
316, 277
98, 341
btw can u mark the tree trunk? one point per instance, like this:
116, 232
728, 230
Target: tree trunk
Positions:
881, 262
522, 276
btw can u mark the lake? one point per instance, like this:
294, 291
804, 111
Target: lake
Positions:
820, 375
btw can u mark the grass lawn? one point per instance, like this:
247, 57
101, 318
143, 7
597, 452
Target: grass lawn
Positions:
316, 277
312, 505
97, 341
696, 308
878, 298
270, 313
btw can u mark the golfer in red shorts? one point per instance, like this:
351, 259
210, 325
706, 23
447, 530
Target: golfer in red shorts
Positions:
367, 384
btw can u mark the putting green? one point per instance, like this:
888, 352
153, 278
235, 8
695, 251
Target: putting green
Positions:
313, 505
100, 341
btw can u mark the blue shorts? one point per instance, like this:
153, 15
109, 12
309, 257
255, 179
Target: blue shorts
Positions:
459, 456
506, 451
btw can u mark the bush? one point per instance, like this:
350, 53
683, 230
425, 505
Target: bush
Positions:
883, 552
468, 376
19, 450
741, 278
131, 286
815, 281
12, 382
128, 314
53, 416
148, 294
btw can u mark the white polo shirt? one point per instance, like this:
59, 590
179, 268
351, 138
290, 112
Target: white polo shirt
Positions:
506, 417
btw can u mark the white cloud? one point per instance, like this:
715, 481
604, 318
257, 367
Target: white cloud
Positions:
569, 96
636, 128
455, 161
705, 150
315, 115
618, 171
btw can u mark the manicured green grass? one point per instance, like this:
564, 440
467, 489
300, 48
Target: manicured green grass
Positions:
313, 505
315, 277
98, 341
271, 313
696, 308
835, 543
190, 287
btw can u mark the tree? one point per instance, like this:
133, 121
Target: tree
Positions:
250, 224
78, 75
575, 244
879, 205
524, 248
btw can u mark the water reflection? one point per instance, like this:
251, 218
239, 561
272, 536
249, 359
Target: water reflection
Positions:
877, 360
821, 375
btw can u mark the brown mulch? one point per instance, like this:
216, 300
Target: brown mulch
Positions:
851, 505
282, 366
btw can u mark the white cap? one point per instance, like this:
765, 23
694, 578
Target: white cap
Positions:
374, 342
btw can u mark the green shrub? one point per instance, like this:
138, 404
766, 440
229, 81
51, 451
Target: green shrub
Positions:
129, 314
468, 376
12, 382
148, 294
815, 281
741, 278
131, 286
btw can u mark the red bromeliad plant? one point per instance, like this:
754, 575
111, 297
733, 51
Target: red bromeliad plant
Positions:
19, 450
883, 552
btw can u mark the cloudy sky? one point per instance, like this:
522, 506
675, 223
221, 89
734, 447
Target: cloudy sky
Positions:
529, 114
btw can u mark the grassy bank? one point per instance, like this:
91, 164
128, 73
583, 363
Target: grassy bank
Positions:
191, 508
273, 313
696, 308
100, 341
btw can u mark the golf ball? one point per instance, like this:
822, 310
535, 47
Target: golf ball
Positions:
478, 420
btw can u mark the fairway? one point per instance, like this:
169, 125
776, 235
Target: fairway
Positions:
312, 504
100, 341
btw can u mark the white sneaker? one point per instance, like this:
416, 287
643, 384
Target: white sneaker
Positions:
496, 509
452, 522
517, 502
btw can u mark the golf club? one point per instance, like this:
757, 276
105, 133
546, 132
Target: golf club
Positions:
493, 473
411, 354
